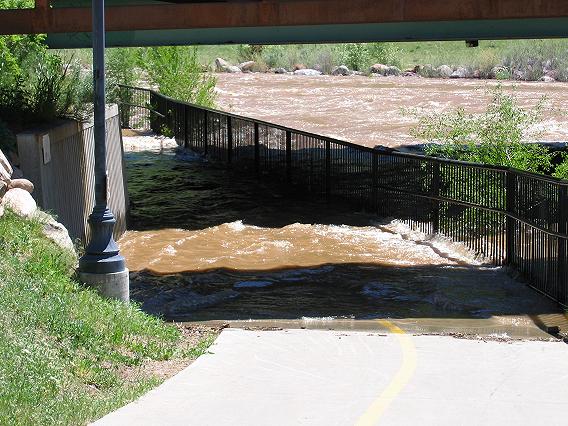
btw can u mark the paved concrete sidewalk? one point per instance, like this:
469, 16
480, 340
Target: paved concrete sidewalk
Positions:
312, 377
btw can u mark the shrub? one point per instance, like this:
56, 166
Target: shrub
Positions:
561, 170
121, 68
178, 74
498, 136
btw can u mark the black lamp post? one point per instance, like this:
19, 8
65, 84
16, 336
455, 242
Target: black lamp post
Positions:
102, 266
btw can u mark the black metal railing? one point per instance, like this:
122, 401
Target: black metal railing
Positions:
508, 216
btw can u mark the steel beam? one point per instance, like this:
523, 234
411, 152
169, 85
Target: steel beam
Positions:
274, 13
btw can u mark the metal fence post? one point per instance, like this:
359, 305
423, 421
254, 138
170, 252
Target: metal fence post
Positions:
229, 139
205, 132
327, 169
185, 126
436, 193
510, 188
256, 149
562, 229
375, 183
288, 156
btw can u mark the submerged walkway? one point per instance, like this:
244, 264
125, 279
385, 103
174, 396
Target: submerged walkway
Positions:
309, 377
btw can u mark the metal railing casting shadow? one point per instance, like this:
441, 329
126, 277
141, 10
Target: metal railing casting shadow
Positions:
507, 216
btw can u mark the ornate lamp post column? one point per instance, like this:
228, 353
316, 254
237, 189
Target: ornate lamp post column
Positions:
102, 266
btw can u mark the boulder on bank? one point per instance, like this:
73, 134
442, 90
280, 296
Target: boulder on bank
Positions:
392, 70
341, 70
379, 69
20, 201
461, 72
547, 79
24, 184
223, 66
444, 71
307, 72
55, 231
247, 66
280, 70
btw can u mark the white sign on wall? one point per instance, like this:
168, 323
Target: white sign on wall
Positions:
46, 148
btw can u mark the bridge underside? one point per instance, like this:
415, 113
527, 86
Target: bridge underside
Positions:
151, 22
408, 31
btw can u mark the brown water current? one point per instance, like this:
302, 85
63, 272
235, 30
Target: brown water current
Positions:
213, 244
374, 110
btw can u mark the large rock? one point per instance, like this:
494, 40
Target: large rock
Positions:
20, 201
57, 233
444, 71
547, 79
233, 69
340, 70
247, 66
392, 70
221, 65
307, 72
461, 72
379, 69
5, 168
22, 184
280, 71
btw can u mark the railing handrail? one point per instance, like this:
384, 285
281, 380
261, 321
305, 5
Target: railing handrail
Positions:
380, 151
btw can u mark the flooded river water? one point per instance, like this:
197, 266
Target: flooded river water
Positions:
374, 111
209, 244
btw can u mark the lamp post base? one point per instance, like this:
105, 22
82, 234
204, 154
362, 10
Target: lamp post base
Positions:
113, 285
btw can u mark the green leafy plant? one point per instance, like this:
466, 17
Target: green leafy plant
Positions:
498, 136
178, 74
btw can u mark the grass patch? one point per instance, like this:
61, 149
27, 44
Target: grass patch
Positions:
63, 348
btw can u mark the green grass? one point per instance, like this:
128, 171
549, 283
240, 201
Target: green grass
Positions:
62, 347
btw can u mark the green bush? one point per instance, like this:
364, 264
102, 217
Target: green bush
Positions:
121, 68
498, 136
178, 74
37, 86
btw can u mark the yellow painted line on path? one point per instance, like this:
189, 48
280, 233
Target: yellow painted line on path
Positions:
399, 381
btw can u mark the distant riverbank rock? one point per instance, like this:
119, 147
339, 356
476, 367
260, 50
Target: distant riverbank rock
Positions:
461, 72
280, 70
341, 70
223, 66
24, 184
20, 201
379, 69
247, 66
547, 79
307, 72
445, 71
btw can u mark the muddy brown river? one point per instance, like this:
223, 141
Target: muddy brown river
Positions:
210, 244
374, 111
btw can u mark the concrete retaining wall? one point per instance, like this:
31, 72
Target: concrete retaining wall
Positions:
59, 160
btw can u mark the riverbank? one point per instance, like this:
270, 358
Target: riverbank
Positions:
69, 356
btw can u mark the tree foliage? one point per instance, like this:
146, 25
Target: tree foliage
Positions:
499, 136
178, 74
